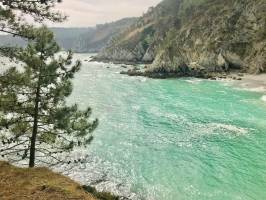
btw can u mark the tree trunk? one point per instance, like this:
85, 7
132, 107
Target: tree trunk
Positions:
35, 128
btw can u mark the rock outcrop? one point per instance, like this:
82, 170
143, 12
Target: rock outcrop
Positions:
196, 38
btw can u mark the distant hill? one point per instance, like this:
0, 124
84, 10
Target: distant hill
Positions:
102, 35
91, 39
66, 37
7, 40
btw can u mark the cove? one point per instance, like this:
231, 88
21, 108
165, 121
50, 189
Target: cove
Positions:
176, 139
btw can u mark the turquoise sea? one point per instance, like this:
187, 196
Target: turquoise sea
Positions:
176, 139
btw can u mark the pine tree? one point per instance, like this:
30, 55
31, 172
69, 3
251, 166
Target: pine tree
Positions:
13, 12
35, 121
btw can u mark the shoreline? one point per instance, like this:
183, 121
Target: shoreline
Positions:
240, 80
252, 82
119, 62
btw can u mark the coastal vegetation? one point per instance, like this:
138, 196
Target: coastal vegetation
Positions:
36, 123
195, 38
41, 183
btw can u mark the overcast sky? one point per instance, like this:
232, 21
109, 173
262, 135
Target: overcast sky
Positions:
91, 12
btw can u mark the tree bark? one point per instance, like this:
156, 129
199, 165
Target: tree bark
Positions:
35, 128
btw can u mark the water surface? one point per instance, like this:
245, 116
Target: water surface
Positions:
183, 139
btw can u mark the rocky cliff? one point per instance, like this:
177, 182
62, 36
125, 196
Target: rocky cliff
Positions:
196, 37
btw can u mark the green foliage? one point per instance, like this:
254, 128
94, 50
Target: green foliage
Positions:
146, 37
32, 103
14, 22
13, 14
187, 5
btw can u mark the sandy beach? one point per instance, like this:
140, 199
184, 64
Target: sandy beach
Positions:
252, 82
256, 83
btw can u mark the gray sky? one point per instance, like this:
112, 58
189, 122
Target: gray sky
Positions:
92, 12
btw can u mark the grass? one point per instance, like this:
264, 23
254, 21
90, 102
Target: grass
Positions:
42, 184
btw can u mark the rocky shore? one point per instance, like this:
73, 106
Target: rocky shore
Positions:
182, 72
205, 39
122, 62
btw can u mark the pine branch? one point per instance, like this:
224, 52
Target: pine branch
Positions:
50, 156
12, 147
14, 151
17, 34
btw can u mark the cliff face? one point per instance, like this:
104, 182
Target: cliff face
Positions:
140, 41
194, 37
67, 37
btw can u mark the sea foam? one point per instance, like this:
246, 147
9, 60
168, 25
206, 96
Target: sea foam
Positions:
229, 127
263, 98
194, 81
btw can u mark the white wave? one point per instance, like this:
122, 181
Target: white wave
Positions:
226, 82
96, 172
255, 89
228, 127
136, 107
263, 98
194, 81
143, 79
